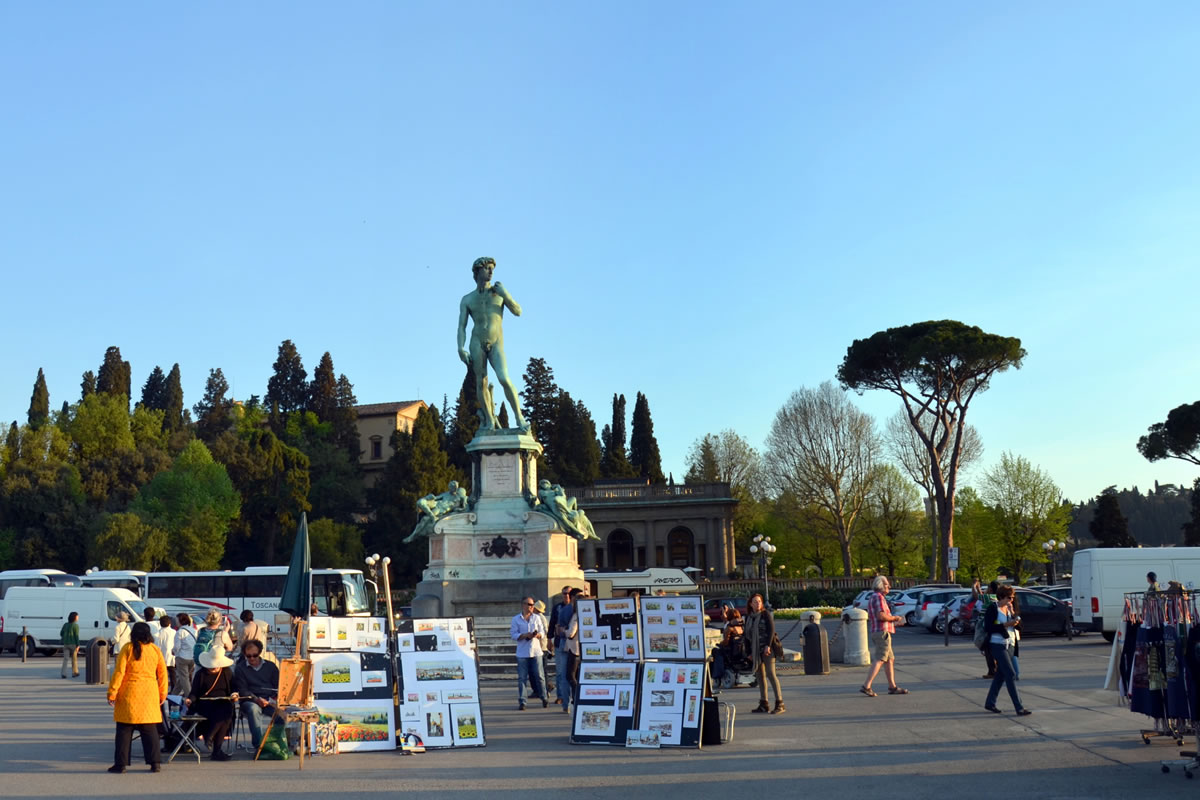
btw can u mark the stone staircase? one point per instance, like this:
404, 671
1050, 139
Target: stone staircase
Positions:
497, 650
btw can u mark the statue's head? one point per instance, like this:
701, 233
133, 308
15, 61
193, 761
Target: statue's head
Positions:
453, 486
543, 484
485, 263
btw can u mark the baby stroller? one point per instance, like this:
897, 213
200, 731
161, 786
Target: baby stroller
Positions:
732, 664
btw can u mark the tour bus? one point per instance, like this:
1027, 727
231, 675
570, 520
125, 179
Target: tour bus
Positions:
644, 582
337, 592
132, 579
35, 577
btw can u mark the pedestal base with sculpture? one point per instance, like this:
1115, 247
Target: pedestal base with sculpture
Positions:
504, 544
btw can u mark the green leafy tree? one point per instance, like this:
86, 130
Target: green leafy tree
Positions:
115, 376
323, 393
336, 487
1028, 509
892, 525
126, 542
1108, 526
728, 458
643, 447
152, 389
146, 425
42, 504
39, 403
823, 450
976, 536
335, 544
287, 388
936, 369
194, 502
614, 460
214, 411
1177, 437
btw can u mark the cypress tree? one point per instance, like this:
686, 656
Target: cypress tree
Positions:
152, 389
578, 462
172, 397
213, 410
115, 375
541, 402
12, 444
39, 402
614, 462
702, 467
643, 447
463, 425
323, 397
87, 384
287, 389
1108, 526
345, 422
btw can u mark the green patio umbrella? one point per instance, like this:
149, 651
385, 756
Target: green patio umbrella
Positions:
297, 588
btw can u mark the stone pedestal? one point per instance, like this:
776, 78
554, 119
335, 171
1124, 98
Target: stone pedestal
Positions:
482, 561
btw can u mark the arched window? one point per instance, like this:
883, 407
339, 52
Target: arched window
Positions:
679, 548
620, 550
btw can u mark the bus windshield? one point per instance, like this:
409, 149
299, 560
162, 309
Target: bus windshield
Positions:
356, 593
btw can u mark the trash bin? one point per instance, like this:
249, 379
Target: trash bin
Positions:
96, 665
816, 648
854, 622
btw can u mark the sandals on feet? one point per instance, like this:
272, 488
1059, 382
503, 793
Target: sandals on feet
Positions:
897, 690
868, 691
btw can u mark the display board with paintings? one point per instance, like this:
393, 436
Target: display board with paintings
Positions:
439, 682
670, 701
673, 627
608, 629
607, 703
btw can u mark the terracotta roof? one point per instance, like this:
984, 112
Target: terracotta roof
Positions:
381, 409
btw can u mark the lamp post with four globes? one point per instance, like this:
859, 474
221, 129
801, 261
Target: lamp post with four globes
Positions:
763, 549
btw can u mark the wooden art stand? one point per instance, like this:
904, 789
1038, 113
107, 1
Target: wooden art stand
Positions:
295, 703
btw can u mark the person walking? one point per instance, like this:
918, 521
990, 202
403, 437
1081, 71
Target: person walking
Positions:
69, 634
555, 628
528, 632
568, 672
982, 601
760, 629
121, 633
999, 622
165, 638
136, 692
881, 624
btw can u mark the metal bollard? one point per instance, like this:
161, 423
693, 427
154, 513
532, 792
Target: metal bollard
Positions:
96, 668
24, 643
816, 648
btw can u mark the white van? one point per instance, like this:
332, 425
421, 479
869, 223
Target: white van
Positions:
1101, 576
41, 612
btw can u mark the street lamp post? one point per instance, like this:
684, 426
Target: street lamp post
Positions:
1052, 548
763, 549
379, 566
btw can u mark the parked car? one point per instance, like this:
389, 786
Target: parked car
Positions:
953, 614
906, 605
1040, 613
1061, 592
715, 608
932, 602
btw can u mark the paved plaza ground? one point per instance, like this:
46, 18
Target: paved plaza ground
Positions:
56, 741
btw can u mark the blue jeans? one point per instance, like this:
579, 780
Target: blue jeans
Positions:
257, 718
530, 669
1005, 673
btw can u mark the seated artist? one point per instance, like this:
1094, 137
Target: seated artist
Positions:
257, 684
212, 697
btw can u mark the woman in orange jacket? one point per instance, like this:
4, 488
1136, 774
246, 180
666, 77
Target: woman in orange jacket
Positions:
136, 692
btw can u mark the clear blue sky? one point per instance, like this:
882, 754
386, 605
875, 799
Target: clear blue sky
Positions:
703, 202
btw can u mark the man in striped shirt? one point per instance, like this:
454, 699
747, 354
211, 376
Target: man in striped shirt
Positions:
881, 624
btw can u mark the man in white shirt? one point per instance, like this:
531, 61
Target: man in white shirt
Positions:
529, 632
165, 639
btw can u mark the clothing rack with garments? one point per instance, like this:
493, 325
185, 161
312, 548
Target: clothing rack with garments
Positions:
1156, 675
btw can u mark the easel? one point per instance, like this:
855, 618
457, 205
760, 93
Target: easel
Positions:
296, 690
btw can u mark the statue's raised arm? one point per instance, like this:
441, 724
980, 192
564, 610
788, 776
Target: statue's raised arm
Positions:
485, 308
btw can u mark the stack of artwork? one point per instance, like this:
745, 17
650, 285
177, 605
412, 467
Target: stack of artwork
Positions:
606, 705
673, 627
608, 629
350, 681
641, 696
439, 692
